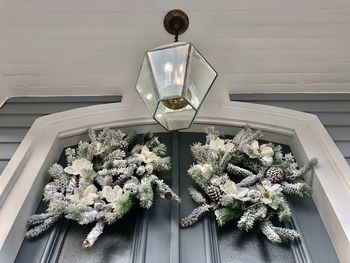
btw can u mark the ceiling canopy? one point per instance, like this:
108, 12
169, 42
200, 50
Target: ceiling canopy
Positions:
89, 47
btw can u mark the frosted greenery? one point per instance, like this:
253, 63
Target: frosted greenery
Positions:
104, 179
246, 182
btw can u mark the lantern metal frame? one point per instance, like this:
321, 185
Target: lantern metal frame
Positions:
185, 79
175, 22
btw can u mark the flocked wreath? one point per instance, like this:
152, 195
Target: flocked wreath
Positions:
246, 181
104, 179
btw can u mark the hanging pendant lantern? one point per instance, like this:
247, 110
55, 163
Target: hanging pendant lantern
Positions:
175, 79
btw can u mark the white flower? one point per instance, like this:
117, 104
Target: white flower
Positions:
99, 148
78, 166
112, 195
268, 194
217, 145
231, 189
147, 156
229, 146
260, 151
206, 170
87, 197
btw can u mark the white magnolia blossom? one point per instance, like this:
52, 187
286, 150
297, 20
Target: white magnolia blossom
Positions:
268, 194
78, 166
260, 151
99, 148
112, 195
147, 156
219, 145
87, 197
206, 170
237, 192
229, 146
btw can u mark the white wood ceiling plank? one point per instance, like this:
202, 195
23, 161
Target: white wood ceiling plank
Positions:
219, 86
139, 32
217, 44
53, 90
118, 71
284, 78
134, 58
130, 79
152, 5
49, 46
140, 18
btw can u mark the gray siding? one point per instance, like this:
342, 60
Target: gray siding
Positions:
18, 114
332, 109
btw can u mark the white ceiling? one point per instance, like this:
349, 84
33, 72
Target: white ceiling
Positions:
89, 47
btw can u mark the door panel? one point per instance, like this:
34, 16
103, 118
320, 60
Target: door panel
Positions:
196, 242
114, 246
154, 235
239, 246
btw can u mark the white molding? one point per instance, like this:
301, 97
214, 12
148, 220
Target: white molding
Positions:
3, 98
16, 91
4, 91
7, 91
11, 92
22, 181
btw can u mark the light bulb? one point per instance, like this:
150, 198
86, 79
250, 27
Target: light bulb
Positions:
181, 68
168, 67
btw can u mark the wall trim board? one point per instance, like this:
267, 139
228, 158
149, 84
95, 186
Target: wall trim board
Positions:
291, 96
4, 91
7, 92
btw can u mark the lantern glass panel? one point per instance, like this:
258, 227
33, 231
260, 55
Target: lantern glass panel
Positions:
199, 78
173, 82
168, 65
146, 86
175, 119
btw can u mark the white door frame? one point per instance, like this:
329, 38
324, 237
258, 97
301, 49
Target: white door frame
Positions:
22, 182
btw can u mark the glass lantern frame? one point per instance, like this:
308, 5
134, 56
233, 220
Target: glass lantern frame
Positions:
184, 84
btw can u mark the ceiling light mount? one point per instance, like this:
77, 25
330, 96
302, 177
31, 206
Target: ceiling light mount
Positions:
176, 22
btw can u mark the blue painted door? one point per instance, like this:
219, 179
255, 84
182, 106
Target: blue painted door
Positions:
155, 236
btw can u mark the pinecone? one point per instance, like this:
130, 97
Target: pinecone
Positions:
275, 174
214, 193
168, 195
61, 185
73, 183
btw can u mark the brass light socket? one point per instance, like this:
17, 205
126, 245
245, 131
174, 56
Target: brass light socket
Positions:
175, 104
